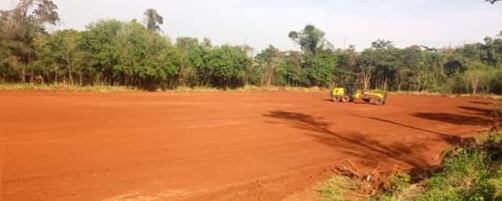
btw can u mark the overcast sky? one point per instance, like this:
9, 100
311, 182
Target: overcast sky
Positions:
437, 23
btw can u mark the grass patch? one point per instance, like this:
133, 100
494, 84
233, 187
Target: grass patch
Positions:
61, 87
247, 88
107, 88
426, 93
470, 172
340, 188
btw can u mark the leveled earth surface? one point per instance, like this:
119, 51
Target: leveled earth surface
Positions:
214, 145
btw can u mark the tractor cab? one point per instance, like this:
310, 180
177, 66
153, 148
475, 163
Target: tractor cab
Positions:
350, 89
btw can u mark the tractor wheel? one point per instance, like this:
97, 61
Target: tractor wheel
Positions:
379, 101
371, 101
337, 98
345, 99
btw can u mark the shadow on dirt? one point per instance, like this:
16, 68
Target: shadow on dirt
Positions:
375, 154
481, 102
455, 118
354, 143
448, 138
478, 111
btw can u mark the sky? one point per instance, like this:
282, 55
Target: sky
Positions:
258, 23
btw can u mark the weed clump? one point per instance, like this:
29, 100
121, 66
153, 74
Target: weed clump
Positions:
340, 188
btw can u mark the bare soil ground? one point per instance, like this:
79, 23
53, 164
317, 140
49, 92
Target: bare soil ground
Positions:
213, 146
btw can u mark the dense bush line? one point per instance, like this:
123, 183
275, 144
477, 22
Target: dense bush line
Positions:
112, 52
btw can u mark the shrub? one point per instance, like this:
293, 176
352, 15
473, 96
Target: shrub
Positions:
397, 182
338, 188
472, 172
495, 83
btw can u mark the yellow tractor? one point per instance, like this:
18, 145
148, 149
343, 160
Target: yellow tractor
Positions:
349, 93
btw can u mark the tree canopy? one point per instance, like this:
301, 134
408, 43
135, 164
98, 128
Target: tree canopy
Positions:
310, 39
128, 53
153, 19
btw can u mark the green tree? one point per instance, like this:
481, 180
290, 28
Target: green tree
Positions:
319, 61
311, 39
382, 44
289, 70
21, 26
412, 61
346, 66
228, 65
431, 74
4, 54
387, 63
143, 58
366, 67
98, 43
193, 70
268, 60
62, 50
112, 52
320, 68
153, 19
475, 74
129, 54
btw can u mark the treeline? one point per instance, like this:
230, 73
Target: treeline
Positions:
135, 54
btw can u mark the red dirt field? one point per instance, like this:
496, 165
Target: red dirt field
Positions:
212, 146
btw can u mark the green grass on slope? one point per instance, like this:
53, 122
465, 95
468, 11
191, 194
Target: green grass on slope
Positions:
472, 172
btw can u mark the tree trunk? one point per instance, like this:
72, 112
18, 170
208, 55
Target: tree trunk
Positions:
474, 85
419, 83
366, 80
366, 76
23, 74
70, 77
270, 76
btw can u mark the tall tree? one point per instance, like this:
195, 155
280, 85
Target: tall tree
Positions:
268, 60
310, 39
382, 44
41, 11
387, 63
22, 25
59, 50
193, 61
228, 66
346, 65
153, 19
475, 74
319, 60
366, 63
